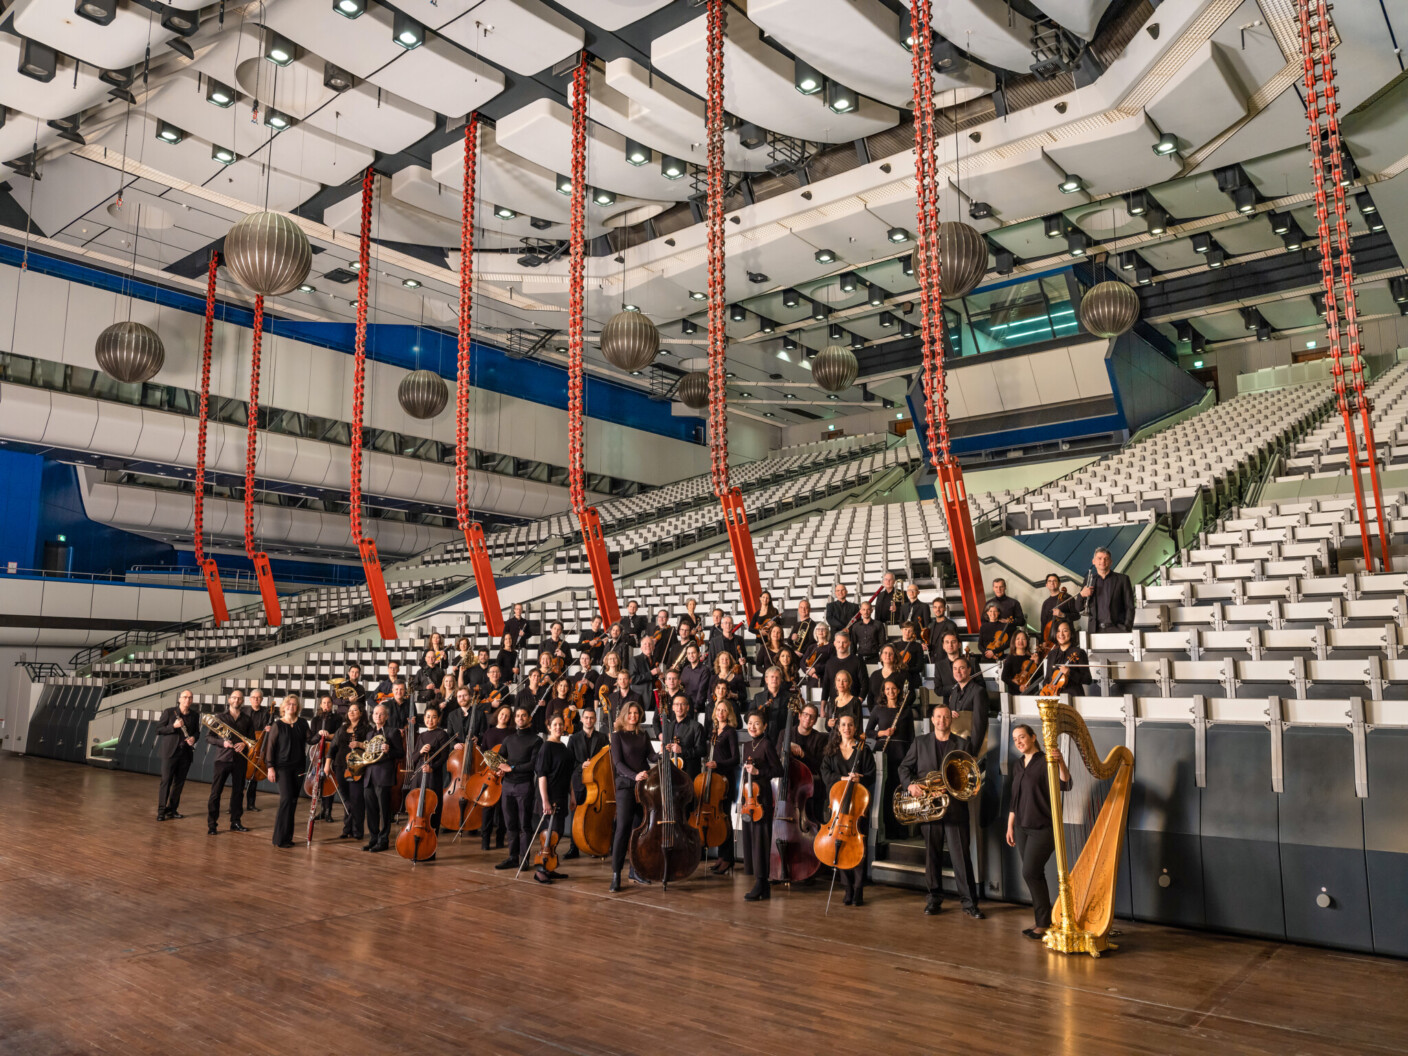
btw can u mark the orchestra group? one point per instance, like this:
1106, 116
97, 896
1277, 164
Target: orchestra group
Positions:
541, 748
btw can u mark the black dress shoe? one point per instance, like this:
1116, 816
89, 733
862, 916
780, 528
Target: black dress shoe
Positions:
346, 836
1032, 933
636, 878
507, 863
615, 882
251, 806
555, 875
235, 826
377, 848
541, 876
759, 892
860, 899
931, 909
287, 843
573, 853
849, 900
160, 816
369, 846
174, 814
212, 832
975, 912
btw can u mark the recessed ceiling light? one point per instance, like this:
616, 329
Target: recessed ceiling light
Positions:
635, 373
697, 295
898, 234
279, 50
356, 265
603, 197
503, 212
411, 284
630, 308
788, 396
730, 374
306, 288
218, 94
746, 395
336, 78
769, 414
671, 168
832, 396
1197, 364
406, 31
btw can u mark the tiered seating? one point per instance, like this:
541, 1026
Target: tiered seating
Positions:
1324, 452
1217, 451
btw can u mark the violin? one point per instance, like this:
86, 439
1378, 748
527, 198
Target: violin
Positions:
1032, 665
1057, 683
709, 819
1048, 633
840, 843
749, 805
546, 858
664, 847
999, 643
791, 857
416, 842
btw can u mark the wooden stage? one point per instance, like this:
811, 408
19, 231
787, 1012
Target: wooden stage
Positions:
121, 935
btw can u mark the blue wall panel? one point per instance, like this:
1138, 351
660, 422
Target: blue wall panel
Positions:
96, 547
20, 480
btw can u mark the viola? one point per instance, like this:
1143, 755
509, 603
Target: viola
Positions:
546, 858
416, 842
709, 819
792, 857
594, 820
664, 847
840, 843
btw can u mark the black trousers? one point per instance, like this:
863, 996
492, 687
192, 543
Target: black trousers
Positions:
353, 796
756, 853
250, 788
956, 834
492, 822
232, 771
517, 803
629, 814
378, 803
290, 781
894, 755
174, 769
1036, 847
853, 880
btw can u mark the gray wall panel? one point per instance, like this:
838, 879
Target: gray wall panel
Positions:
1241, 862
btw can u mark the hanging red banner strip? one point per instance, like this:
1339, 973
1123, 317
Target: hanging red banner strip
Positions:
262, 572
371, 562
473, 532
207, 565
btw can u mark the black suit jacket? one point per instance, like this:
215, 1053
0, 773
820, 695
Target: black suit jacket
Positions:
923, 757
173, 741
1121, 604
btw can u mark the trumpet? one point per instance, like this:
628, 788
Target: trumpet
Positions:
228, 733
359, 759
957, 778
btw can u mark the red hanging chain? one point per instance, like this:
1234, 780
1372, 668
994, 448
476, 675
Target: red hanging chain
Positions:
359, 369
462, 388
252, 427
718, 333
1318, 67
576, 474
204, 424
927, 265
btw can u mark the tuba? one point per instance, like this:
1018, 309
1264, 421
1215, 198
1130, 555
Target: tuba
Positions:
359, 759
957, 778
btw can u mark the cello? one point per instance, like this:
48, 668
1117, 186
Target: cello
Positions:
708, 818
840, 843
458, 802
792, 857
317, 784
664, 847
482, 790
416, 842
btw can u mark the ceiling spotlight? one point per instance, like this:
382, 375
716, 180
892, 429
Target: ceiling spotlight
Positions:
1216, 256
1365, 203
806, 79
1375, 224
1399, 288
898, 234
1143, 275
979, 210
1244, 198
218, 94
824, 256
875, 296
769, 414
819, 310
1202, 243
169, 133
791, 298
336, 78
1052, 226
1280, 222
1158, 220
697, 295
503, 212
37, 60
224, 155
737, 312
1251, 318
411, 284
907, 264
630, 308
688, 327
1293, 239
1128, 261
1005, 262
766, 326
182, 47
1167, 144
906, 328
100, 11
1136, 203
307, 288
636, 153
601, 197
848, 282
832, 396
1263, 333
857, 341
839, 98
751, 136
406, 31
789, 343
119, 78
279, 50
178, 21
537, 223
671, 168
350, 8
789, 396
1318, 299
887, 319
1077, 242
277, 119
834, 332
1070, 184
564, 184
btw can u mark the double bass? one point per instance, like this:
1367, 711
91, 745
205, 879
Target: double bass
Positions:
708, 818
664, 847
792, 857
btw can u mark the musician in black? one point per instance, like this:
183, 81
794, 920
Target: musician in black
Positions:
914, 611
886, 611
968, 696
939, 625
593, 641
430, 676
520, 752
731, 675
681, 735
813, 664
675, 643
990, 629
1014, 661
943, 664
771, 701
839, 610
891, 729
1029, 826
1009, 609
803, 628
909, 655
759, 766
623, 695
844, 701
631, 756
808, 743
842, 659
618, 643
554, 769
847, 758
231, 762
1066, 655
926, 755
727, 642
1067, 608
517, 628
476, 676
352, 681
402, 710
766, 611
324, 725
353, 735
286, 752
507, 658
1108, 598
492, 829
556, 644
643, 669
531, 697
459, 718
633, 625
722, 759
584, 744
867, 635
496, 692
385, 687
431, 751
380, 780
177, 729
259, 719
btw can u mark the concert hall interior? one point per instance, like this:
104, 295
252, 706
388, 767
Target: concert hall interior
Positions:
886, 507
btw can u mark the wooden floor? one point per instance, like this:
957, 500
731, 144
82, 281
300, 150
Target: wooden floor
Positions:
121, 935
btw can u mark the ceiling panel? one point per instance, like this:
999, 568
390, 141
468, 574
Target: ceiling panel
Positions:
1202, 99
1192, 197
1023, 185
120, 43
988, 29
1117, 158
440, 77
1253, 235
1172, 256
1081, 17
525, 36
66, 94
1289, 314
